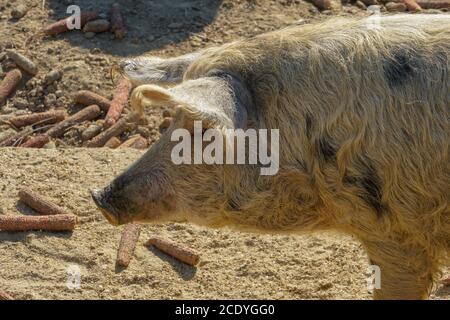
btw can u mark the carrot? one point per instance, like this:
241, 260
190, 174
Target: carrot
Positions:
136, 141
16, 138
434, 4
5, 295
60, 222
62, 25
97, 26
130, 236
91, 131
412, 5
322, 4
113, 143
88, 98
36, 142
121, 94
117, 26
23, 62
41, 117
118, 128
446, 281
39, 203
88, 113
9, 83
180, 252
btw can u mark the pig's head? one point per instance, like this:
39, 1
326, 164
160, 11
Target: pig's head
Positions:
154, 188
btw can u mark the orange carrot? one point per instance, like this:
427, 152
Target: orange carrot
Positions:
434, 4
88, 113
118, 102
23, 62
412, 5
88, 98
60, 222
446, 281
5, 295
17, 138
36, 142
61, 25
117, 26
9, 83
118, 128
39, 203
130, 236
113, 143
322, 4
136, 141
41, 117
180, 252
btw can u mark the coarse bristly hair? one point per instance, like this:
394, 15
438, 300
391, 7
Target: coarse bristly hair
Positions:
363, 109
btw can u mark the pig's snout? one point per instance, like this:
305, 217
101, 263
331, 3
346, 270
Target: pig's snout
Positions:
99, 198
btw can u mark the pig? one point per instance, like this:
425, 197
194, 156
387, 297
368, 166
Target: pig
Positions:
363, 111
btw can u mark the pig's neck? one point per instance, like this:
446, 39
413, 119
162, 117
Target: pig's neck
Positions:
286, 202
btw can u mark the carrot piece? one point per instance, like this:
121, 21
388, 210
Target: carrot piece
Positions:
23, 62
118, 102
41, 117
446, 281
117, 26
180, 252
118, 128
322, 4
88, 113
130, 235
60, 222
412, 5
39, 203
136, 141
5, 295
36, 142
434, 4
16, 138
113, 143
88, 98
9, 83
61, 25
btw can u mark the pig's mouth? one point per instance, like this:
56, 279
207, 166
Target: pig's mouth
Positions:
106, 209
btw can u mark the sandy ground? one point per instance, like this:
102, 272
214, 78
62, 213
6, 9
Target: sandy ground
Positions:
234, 265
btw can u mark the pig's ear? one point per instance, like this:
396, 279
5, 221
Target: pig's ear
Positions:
218, 100
150, 94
